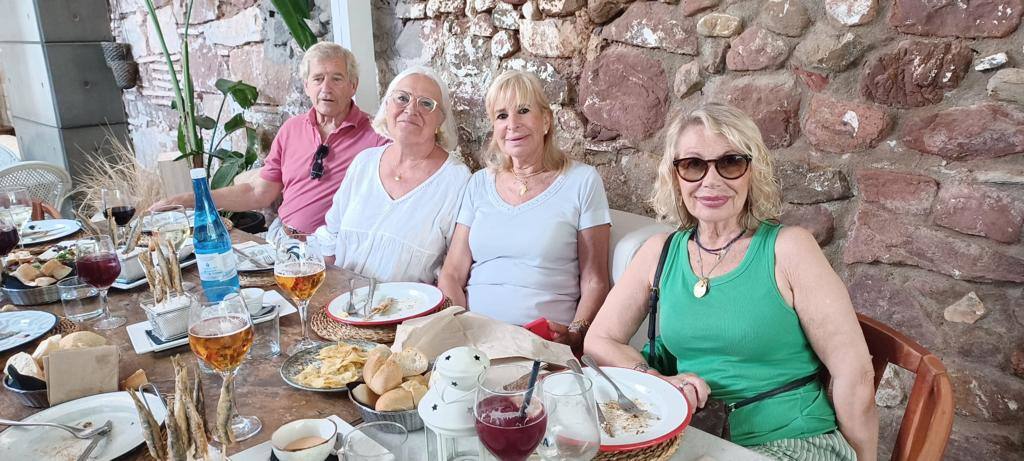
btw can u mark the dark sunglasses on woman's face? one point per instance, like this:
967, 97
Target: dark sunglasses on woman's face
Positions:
316, 171
730, 166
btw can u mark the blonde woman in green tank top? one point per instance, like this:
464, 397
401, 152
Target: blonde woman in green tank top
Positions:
746, 304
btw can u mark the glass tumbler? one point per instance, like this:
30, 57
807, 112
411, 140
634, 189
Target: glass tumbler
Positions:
79, 299
267, 340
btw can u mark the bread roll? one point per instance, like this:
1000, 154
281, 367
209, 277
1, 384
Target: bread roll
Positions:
50, 266
82, 340
374, 360
416, 389
25, 365
412, 361
27, 273
364, 395
422, 379
45, 348
388, 376
398, 399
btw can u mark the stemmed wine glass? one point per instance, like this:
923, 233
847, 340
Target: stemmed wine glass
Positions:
504, 427
16, 201
99, 266
300, 270
573, 433
8, 236
118, 205
220, 334
171, 223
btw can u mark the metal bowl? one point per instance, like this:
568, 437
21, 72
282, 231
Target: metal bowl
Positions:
409, 419
31, 296
34, 399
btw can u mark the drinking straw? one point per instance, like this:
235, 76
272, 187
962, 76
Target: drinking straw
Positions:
529, 391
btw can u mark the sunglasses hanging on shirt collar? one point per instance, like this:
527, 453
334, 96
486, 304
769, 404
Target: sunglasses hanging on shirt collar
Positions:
316, 171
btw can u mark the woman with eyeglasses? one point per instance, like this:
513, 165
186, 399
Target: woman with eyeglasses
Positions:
532, 235
747, 307
393, 216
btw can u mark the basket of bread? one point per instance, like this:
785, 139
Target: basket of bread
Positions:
32, 280
26, 375
393, 384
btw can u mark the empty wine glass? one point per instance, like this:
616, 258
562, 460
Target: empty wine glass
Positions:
573, 433
220, 334
170, 222
16, 201
300, 270
98, 265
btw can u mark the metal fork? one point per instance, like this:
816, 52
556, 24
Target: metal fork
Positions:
351, 307
624, 401
95, 441
75, 431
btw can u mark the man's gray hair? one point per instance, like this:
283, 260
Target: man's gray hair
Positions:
326, 51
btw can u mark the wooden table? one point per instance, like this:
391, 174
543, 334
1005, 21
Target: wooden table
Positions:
259, 388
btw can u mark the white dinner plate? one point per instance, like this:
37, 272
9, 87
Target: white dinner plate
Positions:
650, 393
29, 325
52, 443
122, 285
412, 300
257, 252
48, 230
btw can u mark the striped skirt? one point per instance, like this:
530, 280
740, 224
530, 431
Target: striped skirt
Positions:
831, 446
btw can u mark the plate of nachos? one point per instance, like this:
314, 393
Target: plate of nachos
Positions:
327, 367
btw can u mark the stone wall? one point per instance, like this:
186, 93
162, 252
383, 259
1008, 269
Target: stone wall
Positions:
233, 39
897, 129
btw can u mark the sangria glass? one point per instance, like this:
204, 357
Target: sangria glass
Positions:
300, 271
98, 265
220, 334
508, 426
573, 432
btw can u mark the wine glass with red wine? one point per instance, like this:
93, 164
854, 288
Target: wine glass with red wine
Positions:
507, 429
99, 266
8, 235
118, 205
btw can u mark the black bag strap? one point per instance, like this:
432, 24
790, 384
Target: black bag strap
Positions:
794, 384
652, 299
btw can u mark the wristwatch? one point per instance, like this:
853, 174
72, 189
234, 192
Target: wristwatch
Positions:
579, 326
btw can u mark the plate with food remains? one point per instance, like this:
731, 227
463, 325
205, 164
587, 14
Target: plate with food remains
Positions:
393, 302
328, 367
665, 411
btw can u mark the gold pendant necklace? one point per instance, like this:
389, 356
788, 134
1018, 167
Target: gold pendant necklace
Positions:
700, 289
521, 180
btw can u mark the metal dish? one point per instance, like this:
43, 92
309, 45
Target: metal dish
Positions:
298, 362
33, 399
32, 296
409, 419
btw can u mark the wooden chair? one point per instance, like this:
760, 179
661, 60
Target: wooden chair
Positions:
928, 420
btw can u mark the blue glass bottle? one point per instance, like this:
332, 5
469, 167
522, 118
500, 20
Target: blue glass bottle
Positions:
216, 262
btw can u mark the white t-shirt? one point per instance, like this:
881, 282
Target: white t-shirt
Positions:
525, 263
401, 240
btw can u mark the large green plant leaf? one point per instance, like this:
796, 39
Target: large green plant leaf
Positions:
229, 168
205, 122
242, 93
236, 123
294, 13
251, 147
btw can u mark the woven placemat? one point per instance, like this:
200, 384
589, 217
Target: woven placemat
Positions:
660, 452
333, 330
64, 327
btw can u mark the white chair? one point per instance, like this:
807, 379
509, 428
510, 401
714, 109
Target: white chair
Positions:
46, 182
629, 232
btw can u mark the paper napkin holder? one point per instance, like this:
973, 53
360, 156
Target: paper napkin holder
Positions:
77, 373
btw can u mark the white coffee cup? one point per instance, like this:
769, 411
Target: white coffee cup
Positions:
300, 429
253, 298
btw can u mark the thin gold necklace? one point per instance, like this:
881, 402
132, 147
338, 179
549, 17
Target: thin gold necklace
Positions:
704, 282
398, 174
521, 180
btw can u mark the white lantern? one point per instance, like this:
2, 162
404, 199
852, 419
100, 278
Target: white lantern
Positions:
447, 408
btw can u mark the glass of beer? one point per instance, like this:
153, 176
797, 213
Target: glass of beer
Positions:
300, 270
220, 334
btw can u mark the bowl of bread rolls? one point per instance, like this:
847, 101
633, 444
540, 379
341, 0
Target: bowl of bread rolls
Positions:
392, 386
32, 367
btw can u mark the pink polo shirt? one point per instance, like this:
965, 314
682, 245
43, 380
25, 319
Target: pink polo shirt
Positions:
306, 200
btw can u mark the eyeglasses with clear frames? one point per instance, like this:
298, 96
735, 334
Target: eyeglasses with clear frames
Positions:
403, 98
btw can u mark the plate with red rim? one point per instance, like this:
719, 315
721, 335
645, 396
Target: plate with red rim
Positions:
411, 299
649, 393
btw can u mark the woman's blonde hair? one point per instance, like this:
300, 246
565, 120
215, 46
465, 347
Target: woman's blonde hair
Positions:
764, 199
513, 89
446, 136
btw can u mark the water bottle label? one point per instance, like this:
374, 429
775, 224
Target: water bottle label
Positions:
216, 266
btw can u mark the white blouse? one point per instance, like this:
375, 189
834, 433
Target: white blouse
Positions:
392, 240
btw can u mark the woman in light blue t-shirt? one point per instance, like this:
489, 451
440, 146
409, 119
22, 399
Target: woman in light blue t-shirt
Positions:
531, 238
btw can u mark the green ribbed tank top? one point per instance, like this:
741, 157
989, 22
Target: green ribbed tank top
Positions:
743, 338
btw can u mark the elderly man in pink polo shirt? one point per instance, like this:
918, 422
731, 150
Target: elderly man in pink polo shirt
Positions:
311, 152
